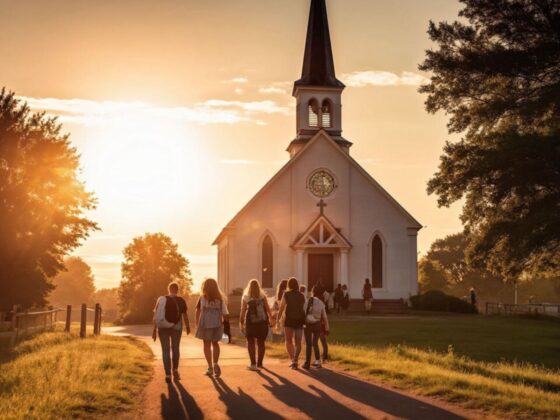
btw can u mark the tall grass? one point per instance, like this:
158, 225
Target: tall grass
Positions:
504, 389
57, 375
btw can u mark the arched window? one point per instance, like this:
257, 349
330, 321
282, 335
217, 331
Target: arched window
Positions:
267, 263
326, 114
377, 262
313, 113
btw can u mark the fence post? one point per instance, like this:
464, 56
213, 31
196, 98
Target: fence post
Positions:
68, 318
83, 321
14, 325
100, 320
96, 321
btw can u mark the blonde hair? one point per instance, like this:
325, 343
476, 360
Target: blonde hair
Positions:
253, 289
211, 291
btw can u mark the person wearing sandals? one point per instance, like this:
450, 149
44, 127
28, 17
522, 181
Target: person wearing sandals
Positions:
292, 304
211, 311
315, 320
254, 322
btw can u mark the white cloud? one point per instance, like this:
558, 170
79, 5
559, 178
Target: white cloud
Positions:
281, 88
237, 80
239, 91
213, 111
255, 107
382, 78
272, 89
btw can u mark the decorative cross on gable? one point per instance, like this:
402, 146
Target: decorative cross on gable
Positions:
322, 206
322, 234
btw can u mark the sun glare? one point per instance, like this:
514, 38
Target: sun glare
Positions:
146, 168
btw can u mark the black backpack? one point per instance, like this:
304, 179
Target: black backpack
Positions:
172, 312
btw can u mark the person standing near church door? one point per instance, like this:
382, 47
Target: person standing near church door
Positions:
367, 294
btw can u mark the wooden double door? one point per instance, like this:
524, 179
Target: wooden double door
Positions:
320, 269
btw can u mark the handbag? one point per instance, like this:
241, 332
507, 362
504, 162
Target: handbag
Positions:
309, 317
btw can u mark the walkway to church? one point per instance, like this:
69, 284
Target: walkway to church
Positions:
276, 392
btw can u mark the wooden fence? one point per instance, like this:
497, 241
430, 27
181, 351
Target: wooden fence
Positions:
17, 324
531, 308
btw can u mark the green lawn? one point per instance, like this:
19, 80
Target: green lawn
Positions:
507, 367
58, 375
489, 339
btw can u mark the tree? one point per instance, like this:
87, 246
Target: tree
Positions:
151, 262
74, 285
445, 268
497, 74
42, 203
109, 301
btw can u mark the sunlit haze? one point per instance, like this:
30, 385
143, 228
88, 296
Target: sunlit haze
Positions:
181, 110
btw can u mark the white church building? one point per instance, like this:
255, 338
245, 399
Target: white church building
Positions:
322, 217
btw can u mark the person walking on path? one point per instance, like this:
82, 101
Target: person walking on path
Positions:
170, 314
367, 294
315, 319
254, 322
278, 328
211, 311
292, 303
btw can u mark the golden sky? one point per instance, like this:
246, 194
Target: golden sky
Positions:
181, 109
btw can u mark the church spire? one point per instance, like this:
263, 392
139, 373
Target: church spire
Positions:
318, 63
318, 92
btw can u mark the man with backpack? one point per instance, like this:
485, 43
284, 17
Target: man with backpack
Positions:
170, 314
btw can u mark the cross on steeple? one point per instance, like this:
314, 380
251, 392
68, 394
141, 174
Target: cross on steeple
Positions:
322, 206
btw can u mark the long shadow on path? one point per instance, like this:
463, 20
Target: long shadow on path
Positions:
242, 405
179, 404
379, 398
314, 406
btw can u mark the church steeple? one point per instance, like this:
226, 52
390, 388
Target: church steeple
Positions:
318, 92
318, 62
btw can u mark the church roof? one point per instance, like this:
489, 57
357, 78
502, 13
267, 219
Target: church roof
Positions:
414, 224
318, 63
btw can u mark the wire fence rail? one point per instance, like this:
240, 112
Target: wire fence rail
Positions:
549, 309
18, 324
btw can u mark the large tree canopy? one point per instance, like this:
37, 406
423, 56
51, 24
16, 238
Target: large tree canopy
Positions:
445, 268
42, 203
74, 285
151, 262
497, 74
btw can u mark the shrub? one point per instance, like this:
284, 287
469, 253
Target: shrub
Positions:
435, 300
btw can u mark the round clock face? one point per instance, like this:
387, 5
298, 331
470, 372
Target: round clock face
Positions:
321, 183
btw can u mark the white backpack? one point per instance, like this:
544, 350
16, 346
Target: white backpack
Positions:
159, 316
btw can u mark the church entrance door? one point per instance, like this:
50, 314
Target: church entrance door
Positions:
320, 269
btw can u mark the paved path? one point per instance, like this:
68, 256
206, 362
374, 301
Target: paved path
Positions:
274, 393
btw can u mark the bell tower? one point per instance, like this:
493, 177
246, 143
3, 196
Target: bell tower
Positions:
318, 93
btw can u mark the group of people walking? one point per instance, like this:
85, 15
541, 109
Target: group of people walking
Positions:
292, 314
299, 316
